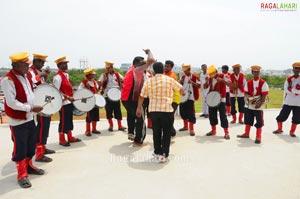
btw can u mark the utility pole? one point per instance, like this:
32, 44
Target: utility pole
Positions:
83, 63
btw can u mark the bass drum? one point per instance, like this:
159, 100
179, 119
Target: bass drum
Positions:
100, 101
114, 94
49, 98
213, 99
84, 100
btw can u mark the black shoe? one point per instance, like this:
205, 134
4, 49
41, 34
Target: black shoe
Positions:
96, 132
35, 171
227, 137
257, 142
292, 135
122, 129
65, 144
110, 129
202, 115
73, 139
24, 183
205, 116
183, 129
242, 136
210, 134
44, 159
49, 151
88, 134
277, 131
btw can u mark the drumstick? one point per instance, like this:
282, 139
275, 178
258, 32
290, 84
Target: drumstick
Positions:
83, 98
48, 101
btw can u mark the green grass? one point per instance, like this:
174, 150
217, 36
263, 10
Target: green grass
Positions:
275, 101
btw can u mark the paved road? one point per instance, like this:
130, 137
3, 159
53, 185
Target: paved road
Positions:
108, 166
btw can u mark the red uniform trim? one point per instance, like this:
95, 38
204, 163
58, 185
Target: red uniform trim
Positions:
20, 96
239, 81
41, 129
105, 80
87, 86
66, 86
14, 140
194, 78
219, 86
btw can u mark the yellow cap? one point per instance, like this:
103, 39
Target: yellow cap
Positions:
108, 64
255, 68
185, 67
211, 69
61, 60
89, 71
296, 64
236, 66
40, 56
20, 57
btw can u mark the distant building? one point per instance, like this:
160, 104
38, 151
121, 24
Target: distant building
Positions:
125, 66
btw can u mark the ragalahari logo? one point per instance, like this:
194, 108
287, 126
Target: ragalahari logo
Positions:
284, 6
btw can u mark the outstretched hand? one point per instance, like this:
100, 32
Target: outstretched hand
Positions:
146, 51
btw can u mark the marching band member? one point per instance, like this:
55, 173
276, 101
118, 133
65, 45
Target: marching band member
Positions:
227, 77
191, 84
204, 91
93, 115
62, 83
147, 74
17, 87
291, 101
159, 89
216, 82
238, 82
111, 79
133, 83
43, 122
176, 98
255, 88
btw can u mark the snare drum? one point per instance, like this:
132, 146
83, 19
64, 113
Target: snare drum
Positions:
114, 94
49, 98
213, 99
100, 101
84, 100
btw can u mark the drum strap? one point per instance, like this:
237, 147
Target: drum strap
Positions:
87, 86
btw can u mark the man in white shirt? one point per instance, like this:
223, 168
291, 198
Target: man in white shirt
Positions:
40, 77
62, 83
256, 91
204, 92
111, 79
291, 102
19, 99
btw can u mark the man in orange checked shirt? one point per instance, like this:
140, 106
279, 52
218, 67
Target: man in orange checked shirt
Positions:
160, 89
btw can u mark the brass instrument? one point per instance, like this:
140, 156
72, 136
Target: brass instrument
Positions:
252, 101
